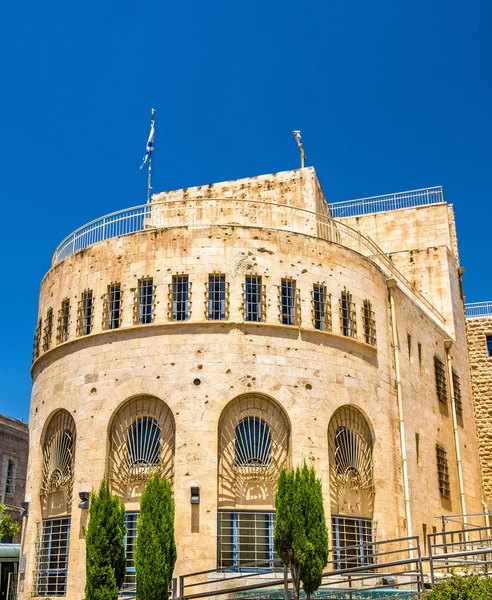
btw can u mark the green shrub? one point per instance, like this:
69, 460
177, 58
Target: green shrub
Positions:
461, 587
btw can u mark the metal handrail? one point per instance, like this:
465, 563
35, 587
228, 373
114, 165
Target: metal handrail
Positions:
473, 310
206, 212
395, 201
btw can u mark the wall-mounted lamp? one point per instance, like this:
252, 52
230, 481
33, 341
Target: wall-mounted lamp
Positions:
195, 495
25, 511
84, 496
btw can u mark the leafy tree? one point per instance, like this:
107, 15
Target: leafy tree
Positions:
155, 547
8, 527
300, 535
105, 546
461, 587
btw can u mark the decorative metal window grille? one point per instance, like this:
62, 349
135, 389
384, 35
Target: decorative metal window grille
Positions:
441, 387
348, 322
370, 324
442, 471
85, 313
253, 447
245, 541
253, 443
59, 454
37, 341
112, 307
63, 329
216, 298
254, 299
353, 542
457, 394
53, 558
142, 443
321, 308
9, 478
48, 330
180, 298
144, 302
289, 303
131, 534
351, 461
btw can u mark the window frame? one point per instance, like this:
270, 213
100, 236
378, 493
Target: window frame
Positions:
440, 380
144, 306
254, 300
288, 301
443, 473
48, 557
321, 307
363, 527
216, 300
488, 344
63, 325
369, 320
85, 313
348, 316
180, 298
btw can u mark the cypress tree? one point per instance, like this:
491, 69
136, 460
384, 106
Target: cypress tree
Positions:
155, 547
300, 536
105, 546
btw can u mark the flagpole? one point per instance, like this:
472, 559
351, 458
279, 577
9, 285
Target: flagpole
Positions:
149, 177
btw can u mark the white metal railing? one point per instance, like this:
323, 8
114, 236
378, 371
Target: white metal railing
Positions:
205, 212
474, 310
364, 206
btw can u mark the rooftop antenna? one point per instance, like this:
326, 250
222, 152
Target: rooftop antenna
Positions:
297, 134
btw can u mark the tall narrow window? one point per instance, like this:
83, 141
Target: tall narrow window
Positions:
288, 302
37, 341
489, 345
457, 394
348, 323
144, 306
9, 479
409, 344
85, 312
131, 534
254, 299
442, 471
53, 558
216, 305
440, 373
419, 347
63, 328
48, 330
112, 307
369, 323
180, 298
321, 308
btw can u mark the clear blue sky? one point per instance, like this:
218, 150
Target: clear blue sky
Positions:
389, 96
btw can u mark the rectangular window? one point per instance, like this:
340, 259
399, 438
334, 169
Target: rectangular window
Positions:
352, 540
131, 534
369, 323
489, 345
442, 471
48, 330
216, 298
9, 478
63, 329
409, 344
144, 305
419, 347
112, 307
348, 323
288, 302
85, 312
321, 308
180, 293
441, 388
246, 540
254, 299
53, 558
37, 341
457, 394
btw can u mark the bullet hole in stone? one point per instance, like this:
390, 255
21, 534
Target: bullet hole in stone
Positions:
36, 410
249, 385
309, 386
158, 377
304, 271
228, 371
196, 381
200, 367
206, 401
172, 364
187, 474
93, 391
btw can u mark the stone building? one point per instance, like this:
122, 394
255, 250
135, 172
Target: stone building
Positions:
223, 332
479, 328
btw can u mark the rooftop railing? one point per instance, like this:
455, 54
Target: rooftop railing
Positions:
205, 212
474, 310
365, 206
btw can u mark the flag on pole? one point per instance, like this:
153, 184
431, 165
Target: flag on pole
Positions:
150, 144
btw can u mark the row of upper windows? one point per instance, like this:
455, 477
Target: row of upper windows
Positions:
442, 387
216, 308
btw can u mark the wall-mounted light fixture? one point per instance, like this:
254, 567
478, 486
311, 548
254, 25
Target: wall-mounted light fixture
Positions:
25, 510
195, 495
84, 496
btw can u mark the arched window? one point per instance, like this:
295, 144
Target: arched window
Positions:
58, 453
252, 443
345, 452
144, 443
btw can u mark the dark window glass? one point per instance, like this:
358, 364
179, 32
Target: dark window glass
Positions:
181, 288
216, 297
253, 292
253, 443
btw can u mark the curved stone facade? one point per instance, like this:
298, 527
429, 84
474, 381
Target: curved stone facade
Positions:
195, 388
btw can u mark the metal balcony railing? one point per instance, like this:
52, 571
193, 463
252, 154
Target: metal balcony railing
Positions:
474, 310
365, 206
204, 212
